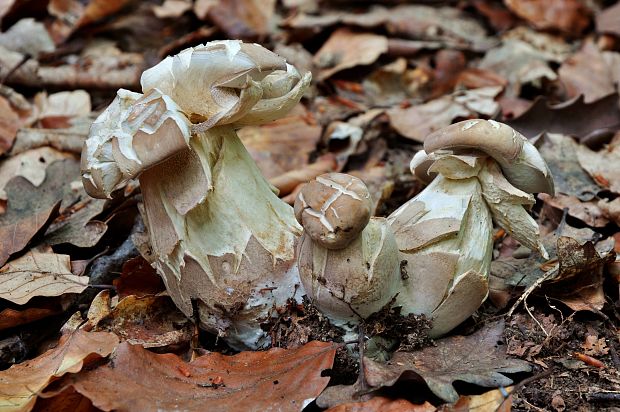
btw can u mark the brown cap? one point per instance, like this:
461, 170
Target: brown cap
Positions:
333, 209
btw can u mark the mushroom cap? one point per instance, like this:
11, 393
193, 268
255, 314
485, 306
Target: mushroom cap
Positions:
520, 161
228, 82
333, 209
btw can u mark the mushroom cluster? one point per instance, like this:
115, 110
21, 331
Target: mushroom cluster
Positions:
432, 255
232, 254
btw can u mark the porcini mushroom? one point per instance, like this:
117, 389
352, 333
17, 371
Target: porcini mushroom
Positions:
348, 261
222, 240
483, 171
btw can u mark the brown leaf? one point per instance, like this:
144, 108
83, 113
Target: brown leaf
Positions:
591, 73
587, 212
244, 19
560, 153
595, 346
57, 109
579, 283
9, 318
608, 21
150, 321
346, 49
568, 16
478, 358
381, 404
277, 379
172, 8
39, 274
30, 208
138, 278
27, 36
73, 14
20, 384
419, 121
573, 117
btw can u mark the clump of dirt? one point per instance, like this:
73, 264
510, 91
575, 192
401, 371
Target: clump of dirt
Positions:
411, 331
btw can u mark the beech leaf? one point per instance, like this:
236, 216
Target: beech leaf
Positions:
479, 358
20, 384
274, 380
39, 274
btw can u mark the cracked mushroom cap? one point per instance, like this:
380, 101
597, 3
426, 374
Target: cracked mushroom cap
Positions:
228, 82
520, 161
333, 209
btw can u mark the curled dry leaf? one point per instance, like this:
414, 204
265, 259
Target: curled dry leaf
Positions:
37, 309
73, 14
568, 16
27, 36
9, 124
56, 109
346, 49
419, 121
479, 358
39, 274
244, 19
579, 282
20, 384
277, 379
497, 400
138, 278
69, 139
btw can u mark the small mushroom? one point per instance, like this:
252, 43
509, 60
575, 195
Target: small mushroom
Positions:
482, 171
348, 261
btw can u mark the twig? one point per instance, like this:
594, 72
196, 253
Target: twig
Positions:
548, 275
604, 396
535, 320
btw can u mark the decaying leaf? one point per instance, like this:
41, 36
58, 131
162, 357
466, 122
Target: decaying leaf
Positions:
10, 318
39, 274
138, 278
419, 121
20, 384
73, 14
30, 208
77, 224
244, 19
346, 49
579, 283
150, 321
286, 380
9, 124
27, 36
477, 359
567, 118
560, 153
56, 109
496, 400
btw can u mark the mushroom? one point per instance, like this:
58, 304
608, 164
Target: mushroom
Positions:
481, 171
222, 240
348, 261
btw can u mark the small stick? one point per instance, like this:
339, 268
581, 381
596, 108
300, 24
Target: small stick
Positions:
548, 275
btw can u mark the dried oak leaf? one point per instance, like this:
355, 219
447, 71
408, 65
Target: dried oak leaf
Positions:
417, 122
479, 358
588, 212
346, 49
39, 274
30, 208
491, 401
579, 283
150, 321
273, 380
568, 16
585, 121
560, 153
20, 384
381, 404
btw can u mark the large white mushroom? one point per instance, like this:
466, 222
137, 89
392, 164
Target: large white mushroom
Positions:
222, 240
